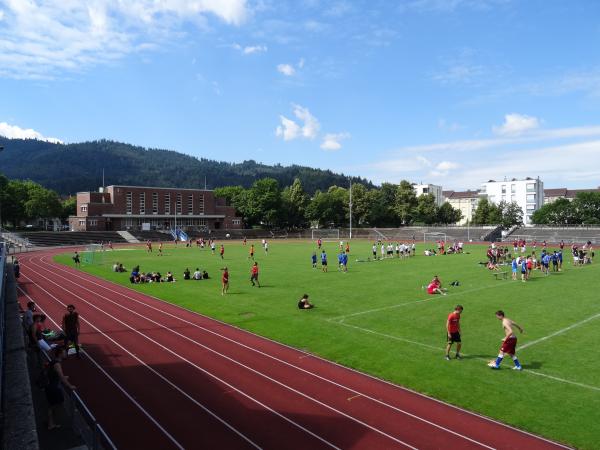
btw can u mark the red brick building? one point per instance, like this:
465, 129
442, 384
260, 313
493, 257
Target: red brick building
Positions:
118, 208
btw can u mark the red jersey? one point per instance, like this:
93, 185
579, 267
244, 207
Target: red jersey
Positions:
453, 322
222, 250
254, 270
431, 287
225, 277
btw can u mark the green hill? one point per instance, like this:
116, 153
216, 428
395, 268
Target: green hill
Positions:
69, 168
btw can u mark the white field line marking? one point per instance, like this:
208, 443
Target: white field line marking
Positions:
561, 331
395, 386
439, 349
121, 388
148, 367
431, 297
357, 393
302, 394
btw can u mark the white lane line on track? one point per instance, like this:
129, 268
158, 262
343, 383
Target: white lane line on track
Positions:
204, 408
439, 349
115, 382
561, 331
220, 379
89, 278
380, 402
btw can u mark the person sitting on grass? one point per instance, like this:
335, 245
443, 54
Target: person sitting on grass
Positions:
197, 274
186, 274
435, 287
303, 303
492, 266
205, 275
170, 278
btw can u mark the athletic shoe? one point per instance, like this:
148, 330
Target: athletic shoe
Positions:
447, 357
458, 356
518, 368
493, 365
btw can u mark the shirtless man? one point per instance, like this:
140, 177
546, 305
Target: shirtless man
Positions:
509, 342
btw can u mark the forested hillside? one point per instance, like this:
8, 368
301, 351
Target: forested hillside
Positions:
78, 167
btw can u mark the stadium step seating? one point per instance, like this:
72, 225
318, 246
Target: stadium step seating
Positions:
65, 238
555, 235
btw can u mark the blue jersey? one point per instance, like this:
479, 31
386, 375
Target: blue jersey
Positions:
546, 259
524, 265
341, 258
314, 259
344, 259
323, 257
514, 264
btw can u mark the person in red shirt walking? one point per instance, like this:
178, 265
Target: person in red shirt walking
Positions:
222, 251
453, 331
254, 274
225, 281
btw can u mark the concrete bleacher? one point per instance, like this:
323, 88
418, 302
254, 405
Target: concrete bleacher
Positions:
67, 238
556, 234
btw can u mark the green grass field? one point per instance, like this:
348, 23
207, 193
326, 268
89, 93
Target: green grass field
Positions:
378, 319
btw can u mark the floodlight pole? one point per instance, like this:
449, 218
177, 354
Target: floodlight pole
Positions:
350, 204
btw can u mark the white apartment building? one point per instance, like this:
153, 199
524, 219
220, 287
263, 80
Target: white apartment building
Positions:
421, 189
527, 193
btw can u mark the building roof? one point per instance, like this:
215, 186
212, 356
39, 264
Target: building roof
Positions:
566, 193
463, 194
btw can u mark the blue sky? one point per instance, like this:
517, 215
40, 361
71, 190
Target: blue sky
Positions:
451, 92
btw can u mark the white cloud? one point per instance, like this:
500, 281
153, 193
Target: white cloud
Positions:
332, 141
517, 124
444, 166
44, 38
16, 132
290, 130
311, 127
286, 69
250, 49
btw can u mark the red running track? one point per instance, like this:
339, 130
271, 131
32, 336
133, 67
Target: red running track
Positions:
159, 376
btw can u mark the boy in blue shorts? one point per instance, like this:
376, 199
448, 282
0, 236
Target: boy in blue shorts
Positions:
324, 261
514, 269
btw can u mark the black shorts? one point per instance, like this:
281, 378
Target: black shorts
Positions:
323, 263
454, 337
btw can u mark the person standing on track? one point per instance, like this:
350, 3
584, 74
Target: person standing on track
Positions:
453, 331
224, 281
77, 260
70, 325
254, 274
509, 342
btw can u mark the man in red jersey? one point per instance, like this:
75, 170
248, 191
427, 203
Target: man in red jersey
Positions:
453, 331
254, 274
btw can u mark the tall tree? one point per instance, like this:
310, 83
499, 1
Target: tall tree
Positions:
511, 214
265, 198
427, 210
559, 212
448, 215
405, 202
295, 202
587, 207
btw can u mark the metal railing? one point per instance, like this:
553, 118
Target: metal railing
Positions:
83, 421
3, 257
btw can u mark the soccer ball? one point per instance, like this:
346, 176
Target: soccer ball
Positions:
227, 235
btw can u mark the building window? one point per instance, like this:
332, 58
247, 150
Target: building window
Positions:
178, 204
530, 208
530, 187
530, 198
191, 204
201, 204
83, 208
93, 222
168, 203
155, 203
82, 223
513, 198
128, 202
504, 189
237, 221
142, 203
513, 188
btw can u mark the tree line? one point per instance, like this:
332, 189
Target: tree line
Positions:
583, 210
266, 204
26, 201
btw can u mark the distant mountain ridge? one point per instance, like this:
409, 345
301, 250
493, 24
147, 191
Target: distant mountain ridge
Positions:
70, 168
